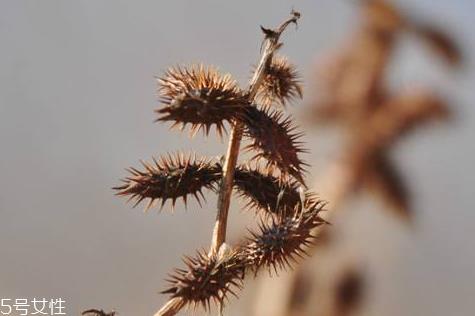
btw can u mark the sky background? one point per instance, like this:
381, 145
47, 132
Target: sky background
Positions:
77, 94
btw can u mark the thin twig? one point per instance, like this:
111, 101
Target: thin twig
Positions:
270, 44
172, 307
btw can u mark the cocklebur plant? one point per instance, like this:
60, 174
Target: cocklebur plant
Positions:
200, 97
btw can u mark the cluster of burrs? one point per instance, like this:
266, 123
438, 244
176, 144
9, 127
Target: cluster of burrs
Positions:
271, 182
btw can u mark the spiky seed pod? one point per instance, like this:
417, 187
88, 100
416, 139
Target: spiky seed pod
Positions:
170, 178
280, 242
207, 279
273, 137
199, 96
281, 83
265, 192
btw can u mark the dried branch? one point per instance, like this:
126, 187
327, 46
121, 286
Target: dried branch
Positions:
200, 96
270, 44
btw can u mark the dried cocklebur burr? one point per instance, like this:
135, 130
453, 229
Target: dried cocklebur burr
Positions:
281, 83
199, 96
284, 239
265, 192
207, 278
273, 138
170, 178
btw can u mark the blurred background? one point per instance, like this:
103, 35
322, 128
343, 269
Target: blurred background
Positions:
77, 93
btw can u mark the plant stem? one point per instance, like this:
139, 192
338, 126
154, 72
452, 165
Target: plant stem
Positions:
171, 308
270, 45
224, 198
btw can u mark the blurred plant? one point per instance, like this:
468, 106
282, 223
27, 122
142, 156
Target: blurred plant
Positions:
354, 95
201, 97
